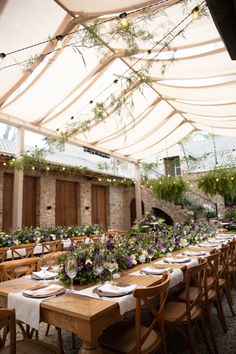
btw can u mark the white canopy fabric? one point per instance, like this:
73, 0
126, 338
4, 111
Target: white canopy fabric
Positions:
191, 84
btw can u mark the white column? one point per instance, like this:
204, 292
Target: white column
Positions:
18, 184
138, 196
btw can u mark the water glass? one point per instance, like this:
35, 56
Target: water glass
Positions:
44, 264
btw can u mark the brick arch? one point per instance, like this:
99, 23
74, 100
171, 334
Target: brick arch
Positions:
175, 212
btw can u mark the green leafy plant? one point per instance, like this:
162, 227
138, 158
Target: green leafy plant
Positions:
35, 159
170, 189
222, 182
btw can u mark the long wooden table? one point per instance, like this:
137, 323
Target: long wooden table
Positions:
85, 316
82, 315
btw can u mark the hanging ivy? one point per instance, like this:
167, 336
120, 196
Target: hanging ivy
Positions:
27, 161
170, 189
222, 182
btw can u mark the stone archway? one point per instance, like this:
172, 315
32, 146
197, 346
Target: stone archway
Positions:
160, 214
175, 212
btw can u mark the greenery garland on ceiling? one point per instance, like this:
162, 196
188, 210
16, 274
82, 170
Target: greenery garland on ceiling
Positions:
98, 34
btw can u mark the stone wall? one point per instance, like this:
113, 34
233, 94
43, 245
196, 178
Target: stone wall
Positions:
119, 201
47, 207
197, 194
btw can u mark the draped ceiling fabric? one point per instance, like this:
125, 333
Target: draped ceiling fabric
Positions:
197, 90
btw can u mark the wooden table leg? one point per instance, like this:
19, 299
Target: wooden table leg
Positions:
87, 348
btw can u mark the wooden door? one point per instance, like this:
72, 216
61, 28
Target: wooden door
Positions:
99, 205
66, 203
29, 201
8, 184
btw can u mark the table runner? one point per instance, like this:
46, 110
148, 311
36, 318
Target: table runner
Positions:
126, 302
27, 309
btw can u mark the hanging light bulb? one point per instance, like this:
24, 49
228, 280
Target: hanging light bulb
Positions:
124, 20
2, 56
196, 12
59, 39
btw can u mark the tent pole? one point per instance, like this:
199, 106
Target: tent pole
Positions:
18, 183
138, 196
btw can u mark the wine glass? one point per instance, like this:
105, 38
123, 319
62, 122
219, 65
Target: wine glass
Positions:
54, 265
44, 266
71, 269
150, 254
98, 265
111, 264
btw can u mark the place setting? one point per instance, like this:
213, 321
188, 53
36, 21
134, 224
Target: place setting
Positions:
111, 289
195, 253
44, 291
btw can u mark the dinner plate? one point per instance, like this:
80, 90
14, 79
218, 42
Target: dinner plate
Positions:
109, 290
43, 291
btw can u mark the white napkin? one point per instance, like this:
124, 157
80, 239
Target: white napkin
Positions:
40, 275
44, 291
116, 289
27, 309
154, 271
176, 260
192, 253
126, 303
208, 245
216, 241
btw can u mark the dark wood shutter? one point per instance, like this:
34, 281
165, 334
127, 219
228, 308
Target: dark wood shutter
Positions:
8, 184
66, 203
99, 205
29, 201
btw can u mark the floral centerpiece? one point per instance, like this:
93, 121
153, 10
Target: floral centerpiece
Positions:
132, 249
41, 234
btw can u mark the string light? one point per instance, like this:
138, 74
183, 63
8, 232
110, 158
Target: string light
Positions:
33, 168
59, 39
196, 12
4, 164
124, 20
2, 56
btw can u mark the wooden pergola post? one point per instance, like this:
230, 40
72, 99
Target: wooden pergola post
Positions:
18, 183
138, 196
